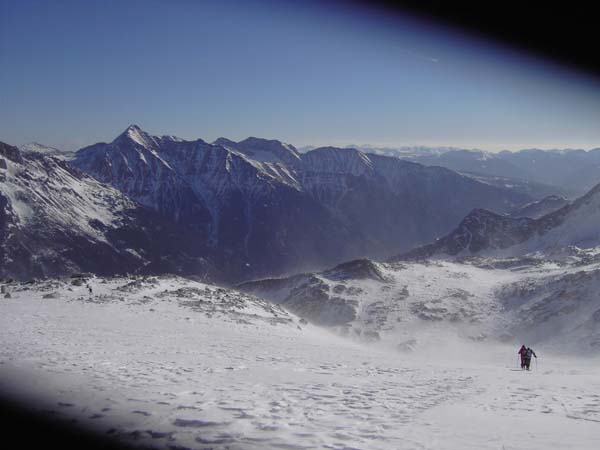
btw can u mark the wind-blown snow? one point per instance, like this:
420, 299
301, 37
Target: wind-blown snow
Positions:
170, 363
418, 306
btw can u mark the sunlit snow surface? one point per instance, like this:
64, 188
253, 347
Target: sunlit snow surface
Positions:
169, 363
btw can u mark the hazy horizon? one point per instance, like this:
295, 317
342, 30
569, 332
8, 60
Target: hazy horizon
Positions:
308, 74
341, 143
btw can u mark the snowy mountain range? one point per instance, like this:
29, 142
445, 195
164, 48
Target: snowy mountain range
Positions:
57, 220
433, 329
276, 211
238, 211
494, 277
569, 172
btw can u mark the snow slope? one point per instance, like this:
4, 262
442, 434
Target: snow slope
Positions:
417, 306
167, 363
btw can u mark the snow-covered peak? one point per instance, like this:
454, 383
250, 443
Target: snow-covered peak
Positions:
136, 135
263, 150
337, 160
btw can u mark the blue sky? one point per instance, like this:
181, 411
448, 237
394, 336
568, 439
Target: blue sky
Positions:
78, 72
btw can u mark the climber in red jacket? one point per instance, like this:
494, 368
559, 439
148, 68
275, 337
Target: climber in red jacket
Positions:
523, 352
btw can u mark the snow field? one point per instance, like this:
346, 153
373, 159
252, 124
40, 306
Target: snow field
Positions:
170, 363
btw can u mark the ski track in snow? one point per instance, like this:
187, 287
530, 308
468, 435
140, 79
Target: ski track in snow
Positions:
204, 368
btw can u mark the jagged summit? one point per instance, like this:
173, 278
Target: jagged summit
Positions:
137, 135
133, 128
338, 160
263, 150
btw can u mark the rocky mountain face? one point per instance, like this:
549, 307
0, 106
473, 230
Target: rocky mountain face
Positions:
479, 230
251, 214
482, 231
273, 210
56, 220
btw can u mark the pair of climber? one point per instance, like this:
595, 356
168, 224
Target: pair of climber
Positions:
526, 353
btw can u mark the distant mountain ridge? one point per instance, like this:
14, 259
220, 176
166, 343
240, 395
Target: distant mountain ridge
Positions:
540, 208
276, 210
485, 232
575, 171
